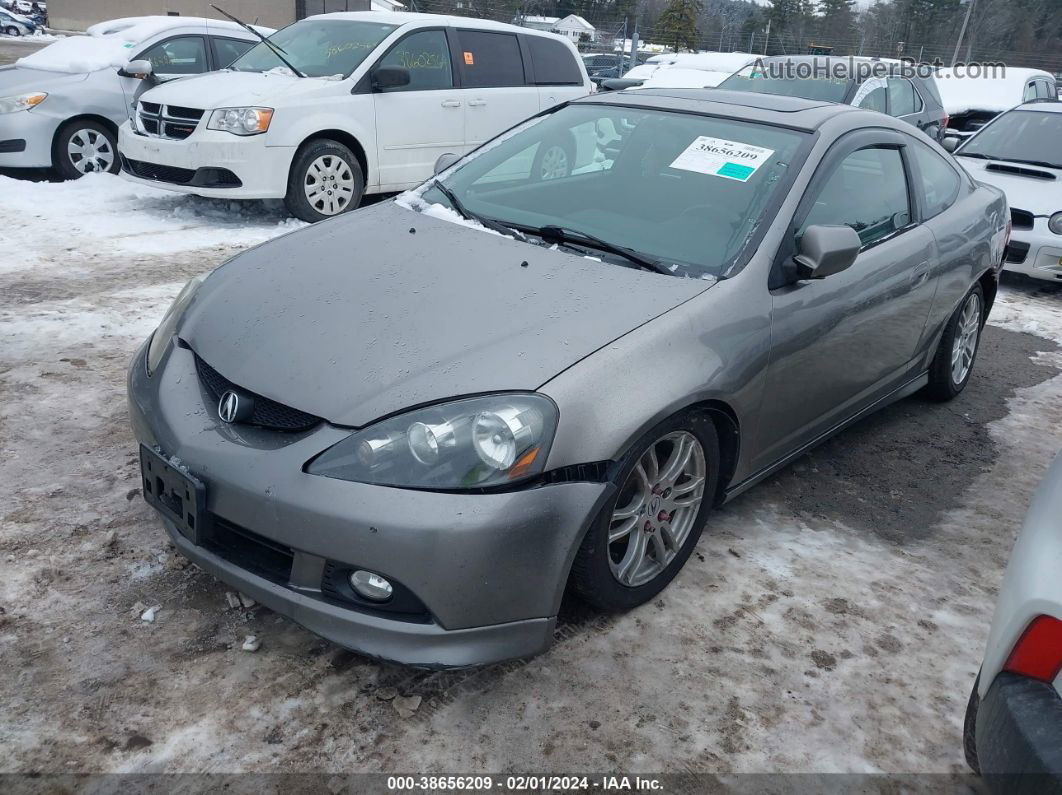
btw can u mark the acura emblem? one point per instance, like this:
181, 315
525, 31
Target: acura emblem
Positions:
229, 406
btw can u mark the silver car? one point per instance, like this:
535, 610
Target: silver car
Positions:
1020, 152
60, 107
411, 429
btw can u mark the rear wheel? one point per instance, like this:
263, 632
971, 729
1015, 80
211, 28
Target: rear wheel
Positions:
646, 532
325, 180
84, 147
954, 360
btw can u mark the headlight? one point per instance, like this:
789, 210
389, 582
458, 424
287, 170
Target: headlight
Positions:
160, 340
471, 443
1054, 223
21, 102
241, 121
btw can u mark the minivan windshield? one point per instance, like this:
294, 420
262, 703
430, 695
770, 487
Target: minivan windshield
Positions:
824, 88
1020, 136
686, 192
317, 48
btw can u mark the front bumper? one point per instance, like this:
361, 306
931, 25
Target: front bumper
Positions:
1019, 736
26, 139
261, 171
490, 569
1036, 252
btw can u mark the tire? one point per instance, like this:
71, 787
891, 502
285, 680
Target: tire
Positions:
598, 575
946, 379
969, 728
83, 147
554, 159
12, 31
309, 197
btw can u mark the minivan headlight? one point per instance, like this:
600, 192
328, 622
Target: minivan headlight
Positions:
463, 444
1054, 223
241, 121
21, 101
160, 340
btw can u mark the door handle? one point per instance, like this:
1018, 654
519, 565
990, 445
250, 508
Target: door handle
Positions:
477, 103
451, 103
920, 275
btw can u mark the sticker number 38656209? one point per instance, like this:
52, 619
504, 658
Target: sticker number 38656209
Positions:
722, 158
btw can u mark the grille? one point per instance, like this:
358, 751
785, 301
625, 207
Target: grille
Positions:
159, 172
250, 551
1021, 219
168, 121
267, 413
1016, 252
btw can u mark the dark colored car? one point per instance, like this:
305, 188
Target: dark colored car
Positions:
889, 87
605, 65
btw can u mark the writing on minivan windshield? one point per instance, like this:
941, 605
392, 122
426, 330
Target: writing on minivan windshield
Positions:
317, 48
671, 192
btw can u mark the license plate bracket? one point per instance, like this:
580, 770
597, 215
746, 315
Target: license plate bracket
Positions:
175, 493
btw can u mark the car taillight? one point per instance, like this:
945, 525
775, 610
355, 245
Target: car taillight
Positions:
947, 120
1038, 652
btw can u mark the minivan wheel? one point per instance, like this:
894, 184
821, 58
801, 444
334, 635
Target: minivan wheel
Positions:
553, 160
84, 147
648, 529
325, 180
954, 360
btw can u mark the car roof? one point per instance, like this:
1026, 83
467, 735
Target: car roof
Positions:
805, 114
411, 17
1047, 105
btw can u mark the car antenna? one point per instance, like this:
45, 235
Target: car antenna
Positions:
276, 48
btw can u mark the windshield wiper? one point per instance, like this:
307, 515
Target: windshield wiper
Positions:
978, 155
276, 48
564, 235
464, 212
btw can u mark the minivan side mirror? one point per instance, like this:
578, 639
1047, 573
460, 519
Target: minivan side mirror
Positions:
446, 159
951, 142
826, 250
387, 77
141, 69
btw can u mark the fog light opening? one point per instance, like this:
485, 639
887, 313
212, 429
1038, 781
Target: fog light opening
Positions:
371, 586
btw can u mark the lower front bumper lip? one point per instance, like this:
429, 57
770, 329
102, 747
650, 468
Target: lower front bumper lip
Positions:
421, 645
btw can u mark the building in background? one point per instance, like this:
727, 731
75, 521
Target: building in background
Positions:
575, 28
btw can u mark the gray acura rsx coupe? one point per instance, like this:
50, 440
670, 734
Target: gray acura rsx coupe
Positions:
412, 428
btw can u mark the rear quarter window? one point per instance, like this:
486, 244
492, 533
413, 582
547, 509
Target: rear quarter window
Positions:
553, 63
489, 59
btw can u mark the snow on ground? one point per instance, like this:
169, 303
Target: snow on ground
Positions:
832, 619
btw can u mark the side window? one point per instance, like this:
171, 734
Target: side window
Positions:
553, 63
184, 55
1030, 92
228, 50
427, 57
844, 199
490, 60
903, 99
940, 183
874, 99
1044, 90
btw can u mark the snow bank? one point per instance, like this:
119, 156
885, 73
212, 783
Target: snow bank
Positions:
963, 94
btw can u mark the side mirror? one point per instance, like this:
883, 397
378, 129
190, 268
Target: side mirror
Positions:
826, 250
446, 159
141, 70
951, 142
388, 77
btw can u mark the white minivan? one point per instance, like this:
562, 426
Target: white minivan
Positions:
339, 105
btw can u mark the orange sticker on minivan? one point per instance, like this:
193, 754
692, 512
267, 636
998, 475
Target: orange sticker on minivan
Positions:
469, 60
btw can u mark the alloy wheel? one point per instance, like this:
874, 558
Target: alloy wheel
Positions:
329, 184
966, 335
554, 163
90, 151
656, 509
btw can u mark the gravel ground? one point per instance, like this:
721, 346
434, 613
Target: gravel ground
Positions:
831, 620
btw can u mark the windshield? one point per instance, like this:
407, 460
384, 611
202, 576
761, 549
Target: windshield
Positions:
1020, 135
826, 89
685, 191
317, 48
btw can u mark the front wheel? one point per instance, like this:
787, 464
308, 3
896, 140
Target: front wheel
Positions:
953, 363
12, 31
84, 147
646, 532
325, 180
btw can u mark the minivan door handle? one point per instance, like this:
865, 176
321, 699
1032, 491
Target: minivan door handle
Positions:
477, 103
451, 103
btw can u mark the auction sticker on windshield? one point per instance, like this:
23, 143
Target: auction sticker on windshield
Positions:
722, 158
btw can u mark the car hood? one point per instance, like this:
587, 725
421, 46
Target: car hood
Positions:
361, 316
1037, 195
17, 78
223, 89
